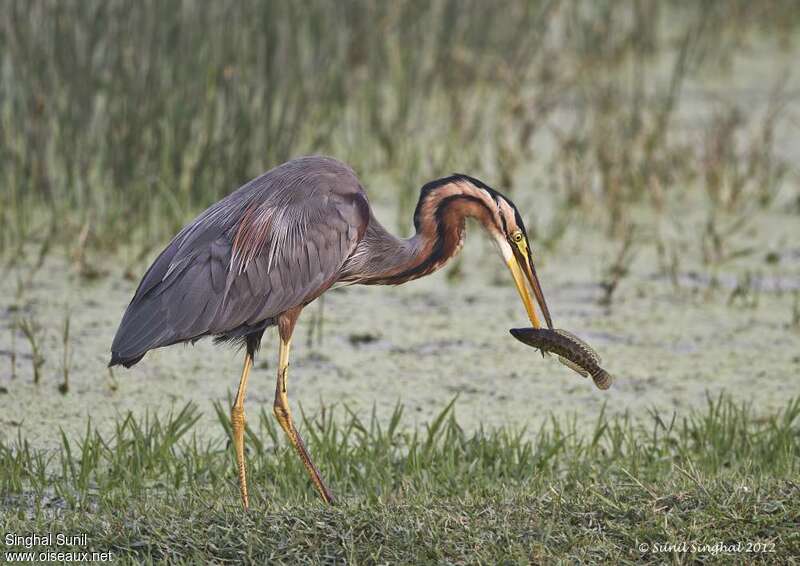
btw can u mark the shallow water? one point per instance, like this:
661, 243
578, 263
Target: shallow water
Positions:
424, 342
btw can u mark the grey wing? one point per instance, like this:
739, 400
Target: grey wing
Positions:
221, 276
288, 256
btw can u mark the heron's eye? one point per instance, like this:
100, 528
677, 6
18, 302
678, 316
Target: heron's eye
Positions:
517, 236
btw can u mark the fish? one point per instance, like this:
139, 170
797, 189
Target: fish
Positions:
571, 351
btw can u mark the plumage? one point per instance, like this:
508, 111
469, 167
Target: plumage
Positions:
245, 260
284, 238
258, 256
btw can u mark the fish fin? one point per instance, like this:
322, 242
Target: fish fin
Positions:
573, 366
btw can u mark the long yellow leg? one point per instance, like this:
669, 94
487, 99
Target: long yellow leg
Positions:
284, 416
237, 424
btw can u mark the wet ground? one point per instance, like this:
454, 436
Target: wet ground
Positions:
671, 336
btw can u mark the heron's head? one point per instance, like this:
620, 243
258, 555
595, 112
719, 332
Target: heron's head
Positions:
442, 208
508, 233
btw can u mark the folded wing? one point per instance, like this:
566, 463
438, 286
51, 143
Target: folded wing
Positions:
276, 243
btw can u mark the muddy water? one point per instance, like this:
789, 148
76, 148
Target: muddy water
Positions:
669, 341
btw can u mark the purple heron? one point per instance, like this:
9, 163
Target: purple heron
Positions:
258, 256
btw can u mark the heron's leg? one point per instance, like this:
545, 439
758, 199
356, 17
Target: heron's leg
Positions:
284, 416
237, 424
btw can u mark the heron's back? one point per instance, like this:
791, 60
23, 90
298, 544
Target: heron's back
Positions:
276, 242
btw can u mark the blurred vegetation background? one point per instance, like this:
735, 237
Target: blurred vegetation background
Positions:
120, 120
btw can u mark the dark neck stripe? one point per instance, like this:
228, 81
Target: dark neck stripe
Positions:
429, 188
437, 253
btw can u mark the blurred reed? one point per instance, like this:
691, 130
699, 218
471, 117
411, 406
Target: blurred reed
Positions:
121, 120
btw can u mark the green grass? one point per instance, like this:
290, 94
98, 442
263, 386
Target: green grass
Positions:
152, 490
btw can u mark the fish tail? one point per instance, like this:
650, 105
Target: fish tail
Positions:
602, 379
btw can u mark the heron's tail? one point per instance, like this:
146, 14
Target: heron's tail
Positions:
119, 360
142, 328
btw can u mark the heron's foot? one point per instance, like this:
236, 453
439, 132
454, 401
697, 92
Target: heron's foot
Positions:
237, 424
284, 417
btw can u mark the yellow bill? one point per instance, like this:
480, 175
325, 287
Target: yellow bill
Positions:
526, 281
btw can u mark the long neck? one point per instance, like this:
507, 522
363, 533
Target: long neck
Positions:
384, 259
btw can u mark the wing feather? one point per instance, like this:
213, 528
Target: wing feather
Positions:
276, 243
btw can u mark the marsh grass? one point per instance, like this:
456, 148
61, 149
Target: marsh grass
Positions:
747, 291
795, 317
619, 268
12, 357
120, 121
153, 490
33, 333
66, 358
